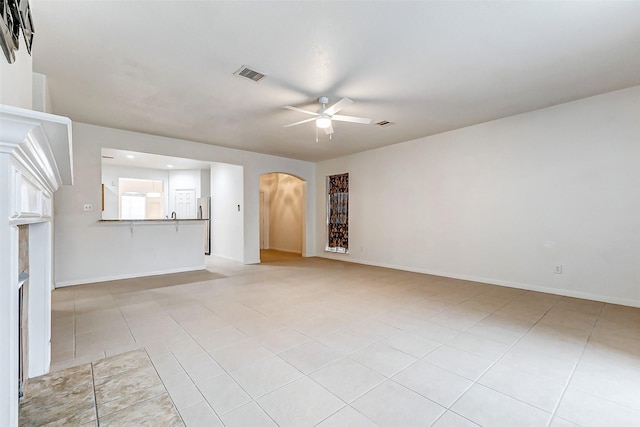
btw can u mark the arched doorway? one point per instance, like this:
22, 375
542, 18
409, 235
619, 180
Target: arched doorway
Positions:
283, 200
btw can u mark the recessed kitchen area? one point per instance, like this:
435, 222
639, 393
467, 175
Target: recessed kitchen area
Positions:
150, 186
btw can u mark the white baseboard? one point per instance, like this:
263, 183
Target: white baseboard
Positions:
498, 282
125, 276
286, 250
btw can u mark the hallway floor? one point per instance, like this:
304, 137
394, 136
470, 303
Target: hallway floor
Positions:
309, 341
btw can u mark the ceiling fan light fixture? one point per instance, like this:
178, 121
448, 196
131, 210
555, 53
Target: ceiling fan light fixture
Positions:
323, 122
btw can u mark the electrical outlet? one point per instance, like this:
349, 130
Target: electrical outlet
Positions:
88, 207
558, 269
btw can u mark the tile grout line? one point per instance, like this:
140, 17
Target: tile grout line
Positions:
575, 366
126, 323
400, 330
578, 352
164, 385
126, 407
381, 341
475, 382
255, 399
75, 340
95, 398
218, 416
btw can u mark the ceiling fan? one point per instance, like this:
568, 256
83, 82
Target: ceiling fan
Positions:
325, 115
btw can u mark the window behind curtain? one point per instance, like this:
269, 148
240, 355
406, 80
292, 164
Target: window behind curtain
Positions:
338, 213
134, 206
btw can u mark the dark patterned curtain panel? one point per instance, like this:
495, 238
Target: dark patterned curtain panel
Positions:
338, 213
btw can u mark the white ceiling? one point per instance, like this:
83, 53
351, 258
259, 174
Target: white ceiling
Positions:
166, 68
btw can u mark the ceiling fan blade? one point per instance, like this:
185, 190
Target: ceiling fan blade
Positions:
300, 110
329, 130
338, 106
351, 119
299, 123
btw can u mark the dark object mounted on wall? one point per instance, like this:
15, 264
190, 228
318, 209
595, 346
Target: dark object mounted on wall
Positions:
9, 30
15, 15
26, 22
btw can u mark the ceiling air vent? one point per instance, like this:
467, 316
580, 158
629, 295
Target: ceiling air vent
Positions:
384, 123
250, 74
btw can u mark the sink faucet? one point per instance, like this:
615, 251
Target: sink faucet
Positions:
173, 215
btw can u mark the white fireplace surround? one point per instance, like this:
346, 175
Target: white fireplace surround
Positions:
35, 160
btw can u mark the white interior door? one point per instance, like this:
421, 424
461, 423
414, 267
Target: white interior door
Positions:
186, 203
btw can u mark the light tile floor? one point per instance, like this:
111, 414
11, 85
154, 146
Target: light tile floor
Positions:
305, 342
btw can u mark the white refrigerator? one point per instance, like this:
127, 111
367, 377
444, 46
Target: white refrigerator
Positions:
204, 212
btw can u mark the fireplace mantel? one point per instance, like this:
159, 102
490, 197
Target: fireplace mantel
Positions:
41, 142
35, 160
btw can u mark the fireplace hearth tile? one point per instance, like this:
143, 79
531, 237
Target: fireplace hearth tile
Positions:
66, 381
119, 364
119, 390
65, 403
127, 383
79, 395
70, 417
158, 412
131, 400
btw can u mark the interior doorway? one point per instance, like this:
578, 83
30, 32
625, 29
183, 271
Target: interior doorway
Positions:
283, 200
186, 203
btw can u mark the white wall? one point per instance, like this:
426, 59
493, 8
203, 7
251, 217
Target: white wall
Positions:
16, 79
40, 95
116, 251
81, 243
506, 201
285, 195
205, 182
227, 220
